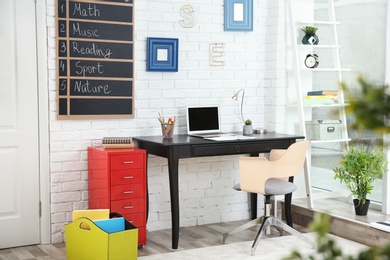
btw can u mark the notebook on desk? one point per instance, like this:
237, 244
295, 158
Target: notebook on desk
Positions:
203, 121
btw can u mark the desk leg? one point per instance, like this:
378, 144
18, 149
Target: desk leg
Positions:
287, 205
173, 168
254, 205
254, 196
287, 209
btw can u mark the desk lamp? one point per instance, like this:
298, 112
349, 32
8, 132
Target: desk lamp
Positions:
235, 97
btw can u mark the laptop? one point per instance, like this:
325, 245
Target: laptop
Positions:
203, 121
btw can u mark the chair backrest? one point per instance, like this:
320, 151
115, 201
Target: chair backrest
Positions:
255, 171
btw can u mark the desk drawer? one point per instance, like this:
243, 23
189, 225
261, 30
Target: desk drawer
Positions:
127, 176
234, 148
137, 219
129, 161
120, 192
124, 207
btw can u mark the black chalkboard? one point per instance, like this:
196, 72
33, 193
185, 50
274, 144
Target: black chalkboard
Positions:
62, 106
120, 1
95, 59
96, 106
62, 87
101, 69
91, 49
62, 67
101, 31
100, 106
104, 88
101, 12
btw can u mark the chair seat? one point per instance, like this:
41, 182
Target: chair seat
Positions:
275, 186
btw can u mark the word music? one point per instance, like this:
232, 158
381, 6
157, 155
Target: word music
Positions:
84, 32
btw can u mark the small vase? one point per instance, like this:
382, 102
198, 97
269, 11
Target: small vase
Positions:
248, 129
361, 209
310, 39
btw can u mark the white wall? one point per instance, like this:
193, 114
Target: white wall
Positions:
254, 61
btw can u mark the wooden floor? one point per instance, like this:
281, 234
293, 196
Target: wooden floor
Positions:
210, 235
158, 242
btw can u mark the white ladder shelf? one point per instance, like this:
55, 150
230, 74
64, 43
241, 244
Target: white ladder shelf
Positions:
298, 68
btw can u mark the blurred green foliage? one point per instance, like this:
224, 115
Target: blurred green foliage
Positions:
369, 105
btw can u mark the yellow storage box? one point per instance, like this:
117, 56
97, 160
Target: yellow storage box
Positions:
86, 241
93, 214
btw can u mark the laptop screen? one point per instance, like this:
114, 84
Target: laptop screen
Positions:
203, 119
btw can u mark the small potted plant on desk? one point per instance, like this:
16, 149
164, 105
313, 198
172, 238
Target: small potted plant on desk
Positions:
248, 128
359, 167
310, 35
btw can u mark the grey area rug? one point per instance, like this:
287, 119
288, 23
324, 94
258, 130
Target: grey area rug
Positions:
268, 248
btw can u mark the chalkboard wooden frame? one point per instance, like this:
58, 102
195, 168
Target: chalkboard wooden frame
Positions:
95, 59
162, 54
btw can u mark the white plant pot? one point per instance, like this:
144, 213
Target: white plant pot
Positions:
248, 129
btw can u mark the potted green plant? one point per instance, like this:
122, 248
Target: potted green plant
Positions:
310, 35
248, 128
358, 168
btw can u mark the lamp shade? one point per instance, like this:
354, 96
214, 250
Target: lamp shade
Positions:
235, 97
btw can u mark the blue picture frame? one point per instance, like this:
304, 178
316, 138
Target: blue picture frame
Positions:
238, 15
162, 54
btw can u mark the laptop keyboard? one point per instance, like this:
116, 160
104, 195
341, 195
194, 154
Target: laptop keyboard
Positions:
209, 135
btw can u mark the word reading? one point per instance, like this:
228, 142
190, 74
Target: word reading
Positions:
93, 50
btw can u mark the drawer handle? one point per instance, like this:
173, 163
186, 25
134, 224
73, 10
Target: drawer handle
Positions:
128, 192
128, 207
128, 162
128, 177
238, 148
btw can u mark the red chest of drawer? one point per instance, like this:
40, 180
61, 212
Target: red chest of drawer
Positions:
117, 181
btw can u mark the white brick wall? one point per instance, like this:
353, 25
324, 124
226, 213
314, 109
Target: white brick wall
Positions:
254, 61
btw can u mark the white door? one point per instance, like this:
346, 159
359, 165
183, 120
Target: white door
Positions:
19, 157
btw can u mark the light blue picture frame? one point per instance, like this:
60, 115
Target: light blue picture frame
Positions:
162, 54
238, 15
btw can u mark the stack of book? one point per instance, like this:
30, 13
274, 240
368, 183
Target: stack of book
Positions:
321, 97
117, 142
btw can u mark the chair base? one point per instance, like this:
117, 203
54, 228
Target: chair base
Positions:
250, 224
280, 226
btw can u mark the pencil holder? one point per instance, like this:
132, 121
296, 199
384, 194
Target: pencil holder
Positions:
167, 130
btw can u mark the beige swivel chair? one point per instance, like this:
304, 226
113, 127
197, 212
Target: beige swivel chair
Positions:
270, 178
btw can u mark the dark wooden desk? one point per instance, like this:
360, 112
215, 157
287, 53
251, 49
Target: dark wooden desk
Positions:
184, 146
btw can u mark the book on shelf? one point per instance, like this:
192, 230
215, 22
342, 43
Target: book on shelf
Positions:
322, 97
320, 100
322, 93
